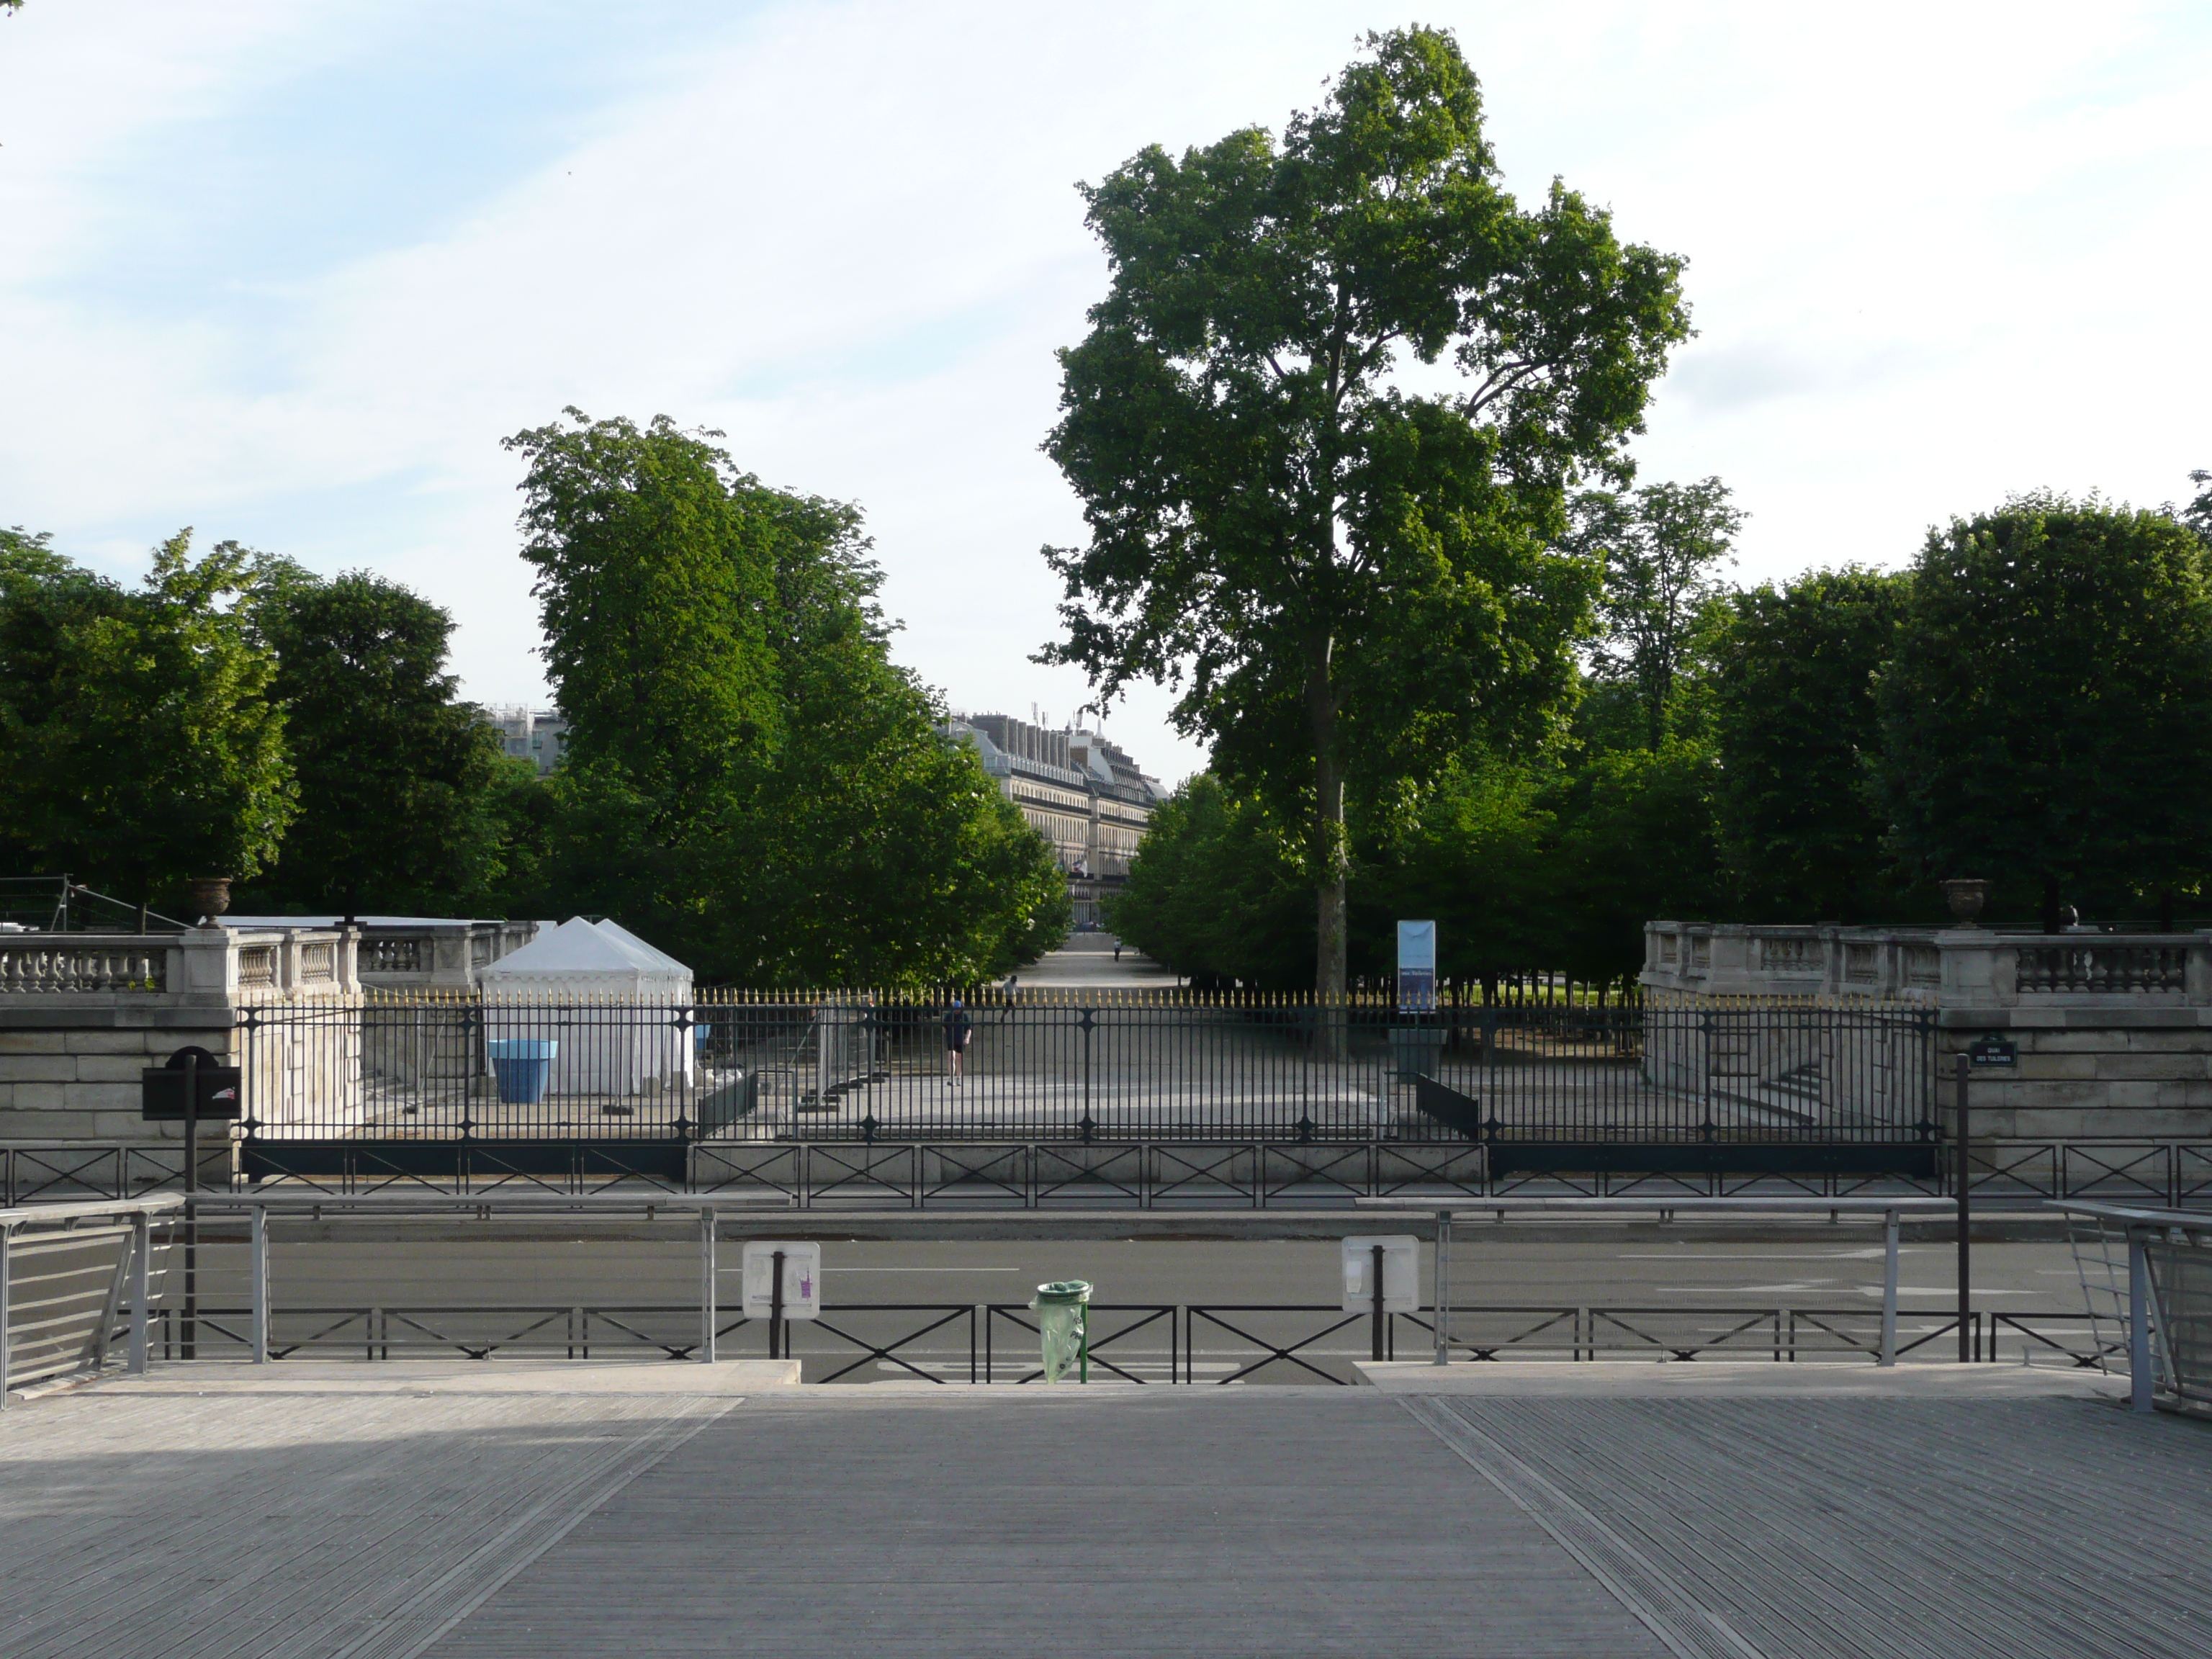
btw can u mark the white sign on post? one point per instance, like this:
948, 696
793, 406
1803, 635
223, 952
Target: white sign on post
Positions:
802, 1279
1401, 1272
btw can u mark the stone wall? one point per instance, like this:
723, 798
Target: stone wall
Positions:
81, 1015
2112, 1031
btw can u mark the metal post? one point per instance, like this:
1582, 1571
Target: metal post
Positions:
1444, 1287
1888, 1288
1378, 1302
7, 1310
260, 1271
707, 1312
1963, 1141
189, 1347
776, 1312
2141, 1386
142, 1281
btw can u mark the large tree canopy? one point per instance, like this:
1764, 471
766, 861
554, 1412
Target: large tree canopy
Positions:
137, 738
748, 777
1347, 574
1661, 548
396, 777
1799, 740
2047, 718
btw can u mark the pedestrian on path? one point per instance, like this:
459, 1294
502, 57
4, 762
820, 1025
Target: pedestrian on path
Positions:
1009, 994
958, 1031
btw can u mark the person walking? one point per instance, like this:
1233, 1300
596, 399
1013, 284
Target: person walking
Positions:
958, 1030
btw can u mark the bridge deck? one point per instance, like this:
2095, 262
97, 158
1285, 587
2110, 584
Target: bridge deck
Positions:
378, 1513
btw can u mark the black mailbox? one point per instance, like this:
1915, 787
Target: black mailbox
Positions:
161, 1089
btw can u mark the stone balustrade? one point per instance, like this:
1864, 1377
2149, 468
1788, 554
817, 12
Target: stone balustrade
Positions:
82, 1014
2111, 1033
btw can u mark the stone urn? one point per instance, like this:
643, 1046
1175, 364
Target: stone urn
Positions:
210, 897
1966, 899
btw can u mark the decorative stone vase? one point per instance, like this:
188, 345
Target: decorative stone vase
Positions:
211, 897
1966, 899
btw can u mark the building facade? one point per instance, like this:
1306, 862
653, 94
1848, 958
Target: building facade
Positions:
539, 737
1083, 793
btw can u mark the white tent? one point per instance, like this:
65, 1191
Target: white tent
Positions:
611, 1000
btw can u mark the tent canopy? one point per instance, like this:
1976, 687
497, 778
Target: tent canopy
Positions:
583, 959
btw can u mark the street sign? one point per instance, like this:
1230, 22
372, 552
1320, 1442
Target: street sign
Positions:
162, 1088
798, 1268
1993, 1051
1401, 1272
1417, 967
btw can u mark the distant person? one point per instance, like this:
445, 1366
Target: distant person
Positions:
1117, 950
1010, 991
958, 1030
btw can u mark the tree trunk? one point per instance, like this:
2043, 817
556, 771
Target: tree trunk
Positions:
1330, 944
2051, 923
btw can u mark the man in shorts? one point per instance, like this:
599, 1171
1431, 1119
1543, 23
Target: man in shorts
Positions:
956, 1032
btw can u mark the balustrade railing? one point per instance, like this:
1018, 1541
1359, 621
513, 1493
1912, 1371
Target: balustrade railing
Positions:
2102, 970
49, 969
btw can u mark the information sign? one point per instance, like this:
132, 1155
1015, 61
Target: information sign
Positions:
800, 1269
1417, 967
1993, 1051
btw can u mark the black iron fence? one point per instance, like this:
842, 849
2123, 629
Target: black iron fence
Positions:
1074, 1066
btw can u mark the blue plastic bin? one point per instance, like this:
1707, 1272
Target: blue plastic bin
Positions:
524, 1066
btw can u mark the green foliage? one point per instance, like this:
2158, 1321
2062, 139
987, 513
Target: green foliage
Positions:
1661, 548
1217, 892
1522, 867
1346, 580
1799, 740
2197, 514
749, 780
396, 778
2047, 718
136, 734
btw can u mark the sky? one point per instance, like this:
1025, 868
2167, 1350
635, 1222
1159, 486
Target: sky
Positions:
287, 272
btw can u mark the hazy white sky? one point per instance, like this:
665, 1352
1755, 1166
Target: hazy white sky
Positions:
287, 271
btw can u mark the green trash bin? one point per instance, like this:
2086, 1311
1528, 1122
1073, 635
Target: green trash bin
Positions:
1063, 1311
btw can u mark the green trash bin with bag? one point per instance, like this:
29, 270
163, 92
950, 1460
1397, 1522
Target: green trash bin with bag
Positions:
1063, 1311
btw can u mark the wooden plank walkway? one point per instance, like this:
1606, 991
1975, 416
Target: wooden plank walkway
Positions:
389, 1522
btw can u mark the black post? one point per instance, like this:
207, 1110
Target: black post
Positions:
1965, 1143
1378, 1302
776, 1312
190, 1347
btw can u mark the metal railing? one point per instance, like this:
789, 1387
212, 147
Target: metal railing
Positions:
1185, 1344
413, 1078
73, 1279
2163, 1316
969, 1174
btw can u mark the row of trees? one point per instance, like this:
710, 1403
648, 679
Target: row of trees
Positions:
752, 783
1441, 675
2030, 702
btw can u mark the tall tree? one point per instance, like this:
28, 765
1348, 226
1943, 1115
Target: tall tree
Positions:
748, 777
1799, 738
395, 776
136, 734
1340, 572
2047, 718
1661, 550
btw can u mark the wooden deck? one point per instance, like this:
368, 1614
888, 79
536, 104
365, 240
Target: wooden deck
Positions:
392, 1517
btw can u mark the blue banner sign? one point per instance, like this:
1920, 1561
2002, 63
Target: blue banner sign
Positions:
1417, 967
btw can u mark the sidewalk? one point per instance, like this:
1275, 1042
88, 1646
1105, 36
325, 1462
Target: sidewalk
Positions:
434, 1510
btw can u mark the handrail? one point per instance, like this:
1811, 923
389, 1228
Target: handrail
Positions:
1749, 1204
78, 1210
36, 1227
2144, 1315
1891, 1210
